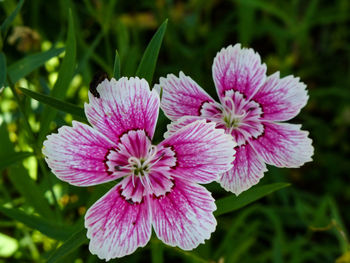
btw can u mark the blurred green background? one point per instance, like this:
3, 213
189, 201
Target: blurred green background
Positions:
306, 222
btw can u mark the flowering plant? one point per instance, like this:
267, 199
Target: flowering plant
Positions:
251, 109
160, 182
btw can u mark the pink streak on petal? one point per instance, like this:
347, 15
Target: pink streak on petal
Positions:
77, 155
174, 126
126, 104
281, 99
247, 170
117, 227
161, 182
181, 96
133, 189
211, 110
184, 217
202, 152
164, 159
135, 143
239, 69
284, 145
160, 172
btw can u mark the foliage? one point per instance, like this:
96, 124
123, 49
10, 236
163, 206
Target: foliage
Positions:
46, 82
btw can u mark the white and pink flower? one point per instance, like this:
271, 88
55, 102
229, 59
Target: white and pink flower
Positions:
160, 183
251, 107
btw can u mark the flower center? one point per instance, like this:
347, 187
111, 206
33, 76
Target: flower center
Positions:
232, 115
141, 167
145, 168
232, 120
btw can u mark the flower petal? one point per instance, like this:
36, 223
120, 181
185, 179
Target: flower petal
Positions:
77, 155
181, 96
239, 69
284, 145
174, 126
117, 227
124, 105
184, 217
281, 99
247, 170
202, 152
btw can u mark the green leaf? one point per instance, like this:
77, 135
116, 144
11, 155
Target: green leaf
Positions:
88, 51
8, 21
2, 70
23, 67
31, 192
65, 76
150, 57
6, 145
232, 203
269, 8
19, 177
74, 242
50, 229
116, 70
56, 103
13, 158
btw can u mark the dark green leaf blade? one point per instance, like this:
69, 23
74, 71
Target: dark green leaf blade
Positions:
72, 243
18, 175
56, 103
13, 158
116, 70
2, 70
232, 203
28, 64
50, 229
8, 21
27, 187
65, 76
150, 57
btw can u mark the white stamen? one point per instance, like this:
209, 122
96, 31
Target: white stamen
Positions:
231, 116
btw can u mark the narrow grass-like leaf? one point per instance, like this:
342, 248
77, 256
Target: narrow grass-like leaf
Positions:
20, 179
232, 203
150, 57
116, 70
56, 103
246, 23
270, 8
8, 21
2, 70
50, 229
72, 243
6, 145
88, 52
13, 158
33, 195
23, 67
65, 76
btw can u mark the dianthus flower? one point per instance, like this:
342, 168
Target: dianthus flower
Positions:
160, 183
252, 106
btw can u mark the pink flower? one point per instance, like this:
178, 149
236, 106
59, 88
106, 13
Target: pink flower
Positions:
251, 107
160, 185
